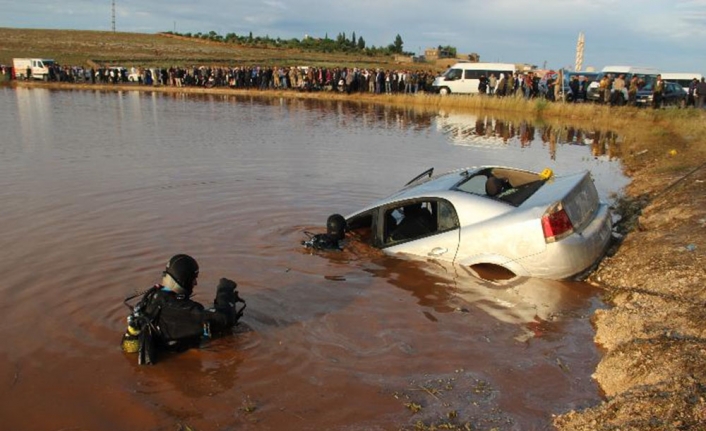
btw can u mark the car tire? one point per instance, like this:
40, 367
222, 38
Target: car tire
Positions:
444, 91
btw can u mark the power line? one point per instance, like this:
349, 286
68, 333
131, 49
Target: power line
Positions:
113, 1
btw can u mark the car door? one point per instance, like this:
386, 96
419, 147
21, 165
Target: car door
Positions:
425, 227
674, 93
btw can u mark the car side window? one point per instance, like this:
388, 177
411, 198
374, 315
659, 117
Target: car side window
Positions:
409, 221
447, 216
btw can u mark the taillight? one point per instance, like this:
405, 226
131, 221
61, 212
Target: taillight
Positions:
556, 224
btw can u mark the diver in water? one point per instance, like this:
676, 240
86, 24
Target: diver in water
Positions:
332, 239
166, 319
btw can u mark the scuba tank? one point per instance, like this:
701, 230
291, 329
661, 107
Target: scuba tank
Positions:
141, 332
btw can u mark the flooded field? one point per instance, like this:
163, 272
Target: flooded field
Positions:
100, 189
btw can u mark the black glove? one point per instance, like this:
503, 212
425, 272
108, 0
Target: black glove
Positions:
226, 299
225, 293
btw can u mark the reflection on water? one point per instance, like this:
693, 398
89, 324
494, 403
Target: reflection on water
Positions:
487, 131
100, 189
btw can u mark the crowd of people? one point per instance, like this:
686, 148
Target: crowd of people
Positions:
343, 79
613, 89
525, 84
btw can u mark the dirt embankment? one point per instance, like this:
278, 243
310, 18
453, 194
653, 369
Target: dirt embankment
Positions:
653, 371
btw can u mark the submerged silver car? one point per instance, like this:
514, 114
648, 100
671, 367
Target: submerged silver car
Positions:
532, 224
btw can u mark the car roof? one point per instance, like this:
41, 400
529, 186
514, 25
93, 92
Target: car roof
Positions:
441, 186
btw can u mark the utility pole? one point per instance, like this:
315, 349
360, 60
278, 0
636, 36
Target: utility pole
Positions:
113, 15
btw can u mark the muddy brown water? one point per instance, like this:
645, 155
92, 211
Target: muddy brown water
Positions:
99, 189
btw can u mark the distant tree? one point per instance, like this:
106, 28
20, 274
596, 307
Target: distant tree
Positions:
341, 44
397, 45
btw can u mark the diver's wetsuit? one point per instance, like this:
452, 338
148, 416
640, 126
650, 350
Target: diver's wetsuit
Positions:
175, 322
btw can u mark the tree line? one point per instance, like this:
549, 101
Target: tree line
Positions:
341, 43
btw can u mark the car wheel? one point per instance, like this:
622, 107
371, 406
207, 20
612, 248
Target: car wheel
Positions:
444, 91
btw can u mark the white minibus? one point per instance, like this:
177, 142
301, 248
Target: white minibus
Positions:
683, 79
463, 78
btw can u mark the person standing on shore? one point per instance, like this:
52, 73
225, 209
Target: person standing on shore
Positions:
701, 93
657, 93
500, 85
691, 93
483, 84
633, 87
617, 96
492, 82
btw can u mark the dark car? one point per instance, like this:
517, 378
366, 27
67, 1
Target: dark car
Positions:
584, 79
674, 95
594, 93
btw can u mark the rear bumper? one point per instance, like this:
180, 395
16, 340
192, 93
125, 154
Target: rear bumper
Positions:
575, 253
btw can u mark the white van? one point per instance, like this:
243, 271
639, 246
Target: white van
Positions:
39, 67
463, 78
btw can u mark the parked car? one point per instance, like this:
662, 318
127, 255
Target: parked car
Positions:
645, 74
674, 94
531, 224
584, 80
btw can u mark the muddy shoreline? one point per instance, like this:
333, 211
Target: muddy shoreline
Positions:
653, 371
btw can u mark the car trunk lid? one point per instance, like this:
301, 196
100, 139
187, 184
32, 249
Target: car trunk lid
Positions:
571, 203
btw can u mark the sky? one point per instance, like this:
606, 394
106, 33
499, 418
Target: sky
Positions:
667, 35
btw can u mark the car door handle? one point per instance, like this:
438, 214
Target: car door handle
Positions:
438, 251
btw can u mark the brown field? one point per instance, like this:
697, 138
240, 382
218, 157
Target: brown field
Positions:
653, 372
82, 48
